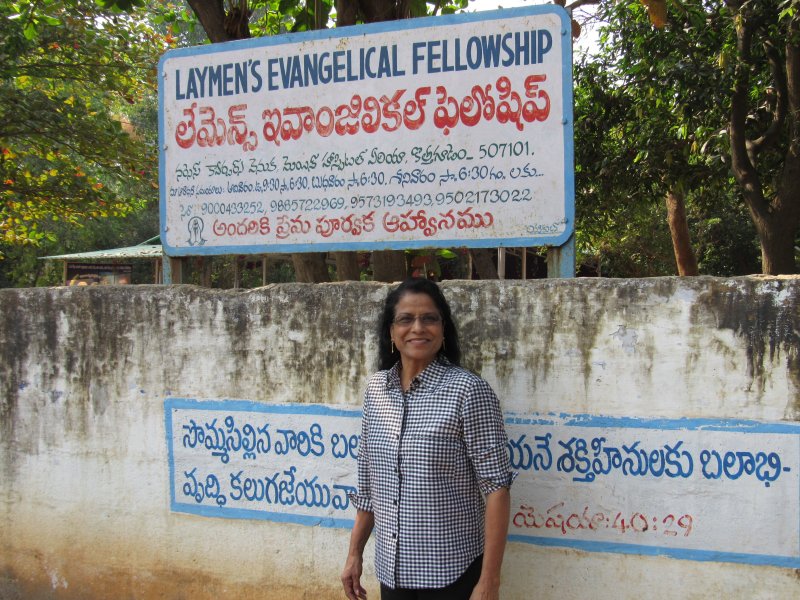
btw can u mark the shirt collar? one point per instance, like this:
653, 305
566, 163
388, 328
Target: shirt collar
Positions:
432, 373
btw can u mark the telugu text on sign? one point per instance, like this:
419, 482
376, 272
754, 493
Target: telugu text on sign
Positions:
695, 489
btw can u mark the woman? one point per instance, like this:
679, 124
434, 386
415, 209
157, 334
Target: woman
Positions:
432, 447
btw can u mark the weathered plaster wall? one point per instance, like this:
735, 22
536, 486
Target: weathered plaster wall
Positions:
84, 373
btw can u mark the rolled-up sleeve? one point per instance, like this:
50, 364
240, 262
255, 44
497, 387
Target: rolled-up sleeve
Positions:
362, 499
486, 439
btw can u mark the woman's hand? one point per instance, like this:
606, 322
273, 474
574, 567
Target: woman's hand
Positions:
485, 591
498, 508
351, 578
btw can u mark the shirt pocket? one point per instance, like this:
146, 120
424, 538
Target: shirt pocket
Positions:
434, 454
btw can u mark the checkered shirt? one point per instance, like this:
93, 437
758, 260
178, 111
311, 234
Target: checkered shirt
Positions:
426, 458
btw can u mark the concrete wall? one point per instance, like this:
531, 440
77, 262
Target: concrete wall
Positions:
84, 373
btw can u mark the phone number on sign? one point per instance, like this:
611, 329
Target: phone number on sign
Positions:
441, 198
402, 200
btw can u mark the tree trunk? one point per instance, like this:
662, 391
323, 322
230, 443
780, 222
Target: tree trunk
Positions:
310, 267
237, 272
205, 271
679, 230
776, 234
347, 268
389, 265
346, 12
776, 217
484, 265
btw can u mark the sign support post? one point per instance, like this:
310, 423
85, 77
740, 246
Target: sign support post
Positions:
561, 260
172, 271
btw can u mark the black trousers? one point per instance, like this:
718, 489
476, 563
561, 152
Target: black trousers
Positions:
460, 589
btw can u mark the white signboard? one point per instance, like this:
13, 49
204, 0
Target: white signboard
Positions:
437, 132
693, 489
240, 459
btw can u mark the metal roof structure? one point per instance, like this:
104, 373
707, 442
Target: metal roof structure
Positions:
141, 251
146, 249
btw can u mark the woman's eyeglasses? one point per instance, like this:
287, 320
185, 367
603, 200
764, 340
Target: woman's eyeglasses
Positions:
427, 320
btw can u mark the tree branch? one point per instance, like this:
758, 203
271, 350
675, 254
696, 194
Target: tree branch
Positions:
743, 169
772, 133
579, 3
791, 166
793, 78
237, 20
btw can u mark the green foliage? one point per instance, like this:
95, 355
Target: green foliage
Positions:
725, 242
69, 77
175, 21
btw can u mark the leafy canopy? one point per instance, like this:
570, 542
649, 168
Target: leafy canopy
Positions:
69, 74
652, 110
